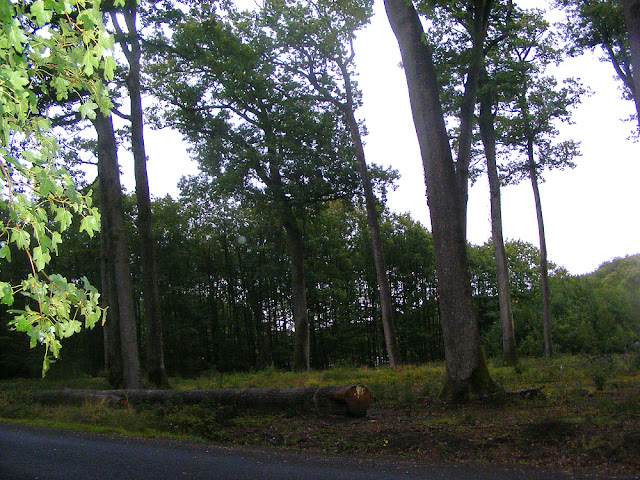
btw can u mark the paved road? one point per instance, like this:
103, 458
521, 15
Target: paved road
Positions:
30, 454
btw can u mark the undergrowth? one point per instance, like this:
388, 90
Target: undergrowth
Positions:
588, 415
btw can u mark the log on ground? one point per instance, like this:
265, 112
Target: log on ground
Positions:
351, 400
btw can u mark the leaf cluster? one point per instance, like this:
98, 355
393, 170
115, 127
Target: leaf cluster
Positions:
46, 48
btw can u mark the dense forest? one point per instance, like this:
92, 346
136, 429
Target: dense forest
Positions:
225, 288
282, 251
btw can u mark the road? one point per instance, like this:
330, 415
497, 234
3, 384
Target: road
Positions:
31, 454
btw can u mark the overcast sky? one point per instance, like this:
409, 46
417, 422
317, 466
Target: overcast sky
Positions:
590, 213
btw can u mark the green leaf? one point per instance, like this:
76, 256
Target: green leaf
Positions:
64, 218
5, 252
88, 110
90, 224
21, 238
109, 67
17, 37
41, 15
70, 327
6, 294
41, 258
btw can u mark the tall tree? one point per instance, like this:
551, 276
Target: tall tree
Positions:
459, 35
258, 133
321, 36
466, 370
129, 42
536, 104
121, 345
489, 139
460, 59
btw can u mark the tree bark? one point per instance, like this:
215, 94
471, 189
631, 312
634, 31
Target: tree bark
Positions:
488, 137
109, 178
301, 354
466, 370
156, 371
544, 268
350, 400
111, 334
632, 19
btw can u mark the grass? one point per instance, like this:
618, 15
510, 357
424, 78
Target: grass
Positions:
588, 418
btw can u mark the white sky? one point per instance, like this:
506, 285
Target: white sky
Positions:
590, 213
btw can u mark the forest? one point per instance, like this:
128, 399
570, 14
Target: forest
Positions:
223, 274
282, 252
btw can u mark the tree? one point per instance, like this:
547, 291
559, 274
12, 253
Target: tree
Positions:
320, 35
46, 47
489, 140
121, 346
258, 133
467, 373
461, 57
601, 23
460, 36
529, 123
129, 42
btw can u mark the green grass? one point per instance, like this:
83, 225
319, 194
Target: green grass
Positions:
587, 418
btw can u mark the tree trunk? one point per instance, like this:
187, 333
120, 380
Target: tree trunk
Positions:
111, 334
301, 356
632, 19
118, 246
466, 370
488, 136
154, 352
544, 269
352, 400
480, 10
386, 302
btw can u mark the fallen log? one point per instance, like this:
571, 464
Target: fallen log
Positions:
352, 401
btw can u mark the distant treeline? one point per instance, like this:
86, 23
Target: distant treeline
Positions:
225, 288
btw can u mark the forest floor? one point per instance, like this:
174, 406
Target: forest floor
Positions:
586, 419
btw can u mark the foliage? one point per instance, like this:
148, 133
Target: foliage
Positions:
599, 24
226, 303
530, 103
47, 48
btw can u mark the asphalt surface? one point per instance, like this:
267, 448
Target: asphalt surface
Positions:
30, 454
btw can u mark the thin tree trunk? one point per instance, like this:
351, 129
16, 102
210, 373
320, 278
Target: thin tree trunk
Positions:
386, 301
154, 352
632, 19
544, 269
466, 369
480, 10
110, 182
488, 136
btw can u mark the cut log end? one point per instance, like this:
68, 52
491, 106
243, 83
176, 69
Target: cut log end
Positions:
357, 399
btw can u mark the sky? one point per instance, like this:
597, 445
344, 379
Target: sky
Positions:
590, 212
